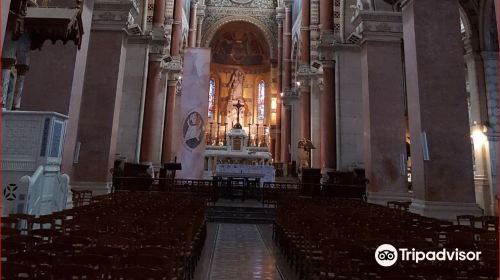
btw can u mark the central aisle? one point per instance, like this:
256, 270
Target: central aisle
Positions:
239, 252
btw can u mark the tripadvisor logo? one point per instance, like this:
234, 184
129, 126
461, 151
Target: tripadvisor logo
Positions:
387, 255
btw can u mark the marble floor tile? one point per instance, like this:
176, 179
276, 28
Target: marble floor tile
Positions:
238, 252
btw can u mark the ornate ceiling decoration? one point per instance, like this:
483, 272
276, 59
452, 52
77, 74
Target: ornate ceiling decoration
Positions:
261, 13
239, 43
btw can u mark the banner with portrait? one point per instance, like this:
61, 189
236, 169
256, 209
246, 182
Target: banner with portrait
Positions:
193, 113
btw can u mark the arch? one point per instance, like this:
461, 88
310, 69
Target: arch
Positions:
271, 41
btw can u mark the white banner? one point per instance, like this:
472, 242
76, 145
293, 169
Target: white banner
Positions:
193, 113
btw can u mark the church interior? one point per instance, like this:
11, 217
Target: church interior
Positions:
249, 139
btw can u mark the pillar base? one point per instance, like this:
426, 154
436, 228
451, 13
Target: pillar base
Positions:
381, 198
97, 188
444, 210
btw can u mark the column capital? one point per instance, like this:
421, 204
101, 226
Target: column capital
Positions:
288, 4
280, 14
201, 8
382, 26
172, 64
111, 15
289, 95
169, 20
303, 75
174, 77
328, 63
158, 47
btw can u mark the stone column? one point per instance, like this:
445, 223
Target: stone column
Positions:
21, 70
177, 29
442, 177
174, 67
328, 112
7, 64
328, 115
159, 13
154, 105
286, 84
102, 92
151, 141
169, 117
326, 16
383, 88
478, 121
192, 25
477, 87
490, 60
286, 133
200, 14
304, 71
280, 15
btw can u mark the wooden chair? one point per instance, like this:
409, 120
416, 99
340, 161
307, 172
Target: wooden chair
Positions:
68, 271
16, 271
139, 273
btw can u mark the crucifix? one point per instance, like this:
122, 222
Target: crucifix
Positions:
238, 107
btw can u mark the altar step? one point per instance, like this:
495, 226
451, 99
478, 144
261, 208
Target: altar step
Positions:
241, 215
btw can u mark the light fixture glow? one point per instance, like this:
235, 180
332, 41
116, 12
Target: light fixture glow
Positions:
478, 137
273, 103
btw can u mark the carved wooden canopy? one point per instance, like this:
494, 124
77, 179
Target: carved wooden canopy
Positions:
62, 20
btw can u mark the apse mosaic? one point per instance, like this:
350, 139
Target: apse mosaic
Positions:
238, 46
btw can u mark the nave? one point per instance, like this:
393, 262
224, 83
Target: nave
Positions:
171, 236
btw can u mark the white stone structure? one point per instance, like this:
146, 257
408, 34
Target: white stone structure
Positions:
31, 158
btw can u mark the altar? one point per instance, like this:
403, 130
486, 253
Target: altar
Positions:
238, 157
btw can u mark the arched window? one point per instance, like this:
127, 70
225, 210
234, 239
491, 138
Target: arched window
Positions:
211, 99
262, 97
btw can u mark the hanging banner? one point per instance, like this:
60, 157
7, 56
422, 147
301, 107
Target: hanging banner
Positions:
193, 113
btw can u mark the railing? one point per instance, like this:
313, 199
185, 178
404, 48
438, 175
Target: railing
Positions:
269, 193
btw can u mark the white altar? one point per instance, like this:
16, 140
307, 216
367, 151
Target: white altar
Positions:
238, 158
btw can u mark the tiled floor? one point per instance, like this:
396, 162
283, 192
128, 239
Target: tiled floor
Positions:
241, 252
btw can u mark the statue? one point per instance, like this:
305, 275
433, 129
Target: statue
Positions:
235, 85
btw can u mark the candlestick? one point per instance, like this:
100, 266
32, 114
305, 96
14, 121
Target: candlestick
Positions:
217, 138
211, 124
249, 128
225, 134
257, 137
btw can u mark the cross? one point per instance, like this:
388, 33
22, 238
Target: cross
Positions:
238, 107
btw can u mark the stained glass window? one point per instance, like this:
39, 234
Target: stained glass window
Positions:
262, 97
211, 99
